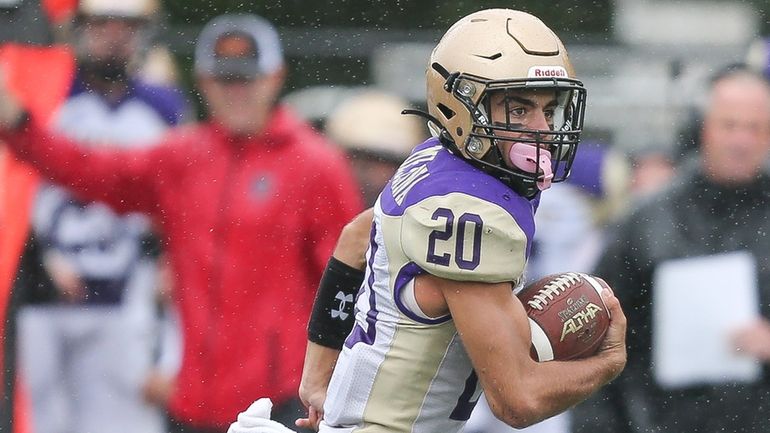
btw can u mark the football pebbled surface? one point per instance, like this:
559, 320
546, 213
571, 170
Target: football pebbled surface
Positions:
567, 315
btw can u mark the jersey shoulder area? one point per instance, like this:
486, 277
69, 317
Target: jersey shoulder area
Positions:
169, 102
457, 222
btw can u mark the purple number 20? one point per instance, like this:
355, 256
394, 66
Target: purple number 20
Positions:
446, 233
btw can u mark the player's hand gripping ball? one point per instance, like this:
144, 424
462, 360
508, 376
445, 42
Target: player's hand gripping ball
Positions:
567, 315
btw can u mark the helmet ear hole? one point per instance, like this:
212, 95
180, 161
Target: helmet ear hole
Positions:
446, 111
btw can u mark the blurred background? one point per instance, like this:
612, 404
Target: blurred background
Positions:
643, 61
646, 65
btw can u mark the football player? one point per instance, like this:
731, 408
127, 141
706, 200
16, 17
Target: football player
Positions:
436, 321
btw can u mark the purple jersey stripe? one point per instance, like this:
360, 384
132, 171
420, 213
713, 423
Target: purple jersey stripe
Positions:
358, 334
446, 174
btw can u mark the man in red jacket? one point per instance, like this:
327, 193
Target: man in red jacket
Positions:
250, 204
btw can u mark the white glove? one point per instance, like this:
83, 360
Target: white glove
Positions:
256, 419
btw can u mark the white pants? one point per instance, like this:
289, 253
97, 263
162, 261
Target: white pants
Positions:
482, 421
85, 366
326, 428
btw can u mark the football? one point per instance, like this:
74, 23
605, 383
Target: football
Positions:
567, 315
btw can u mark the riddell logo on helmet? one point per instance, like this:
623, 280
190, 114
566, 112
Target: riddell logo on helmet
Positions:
547, 72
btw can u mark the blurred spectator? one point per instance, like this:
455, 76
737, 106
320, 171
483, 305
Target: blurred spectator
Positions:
88, 339
376, 136
250, 205
571, 222
154, 64
718, 203
651, 170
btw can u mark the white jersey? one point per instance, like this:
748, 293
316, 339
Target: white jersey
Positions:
401, 371
103, 248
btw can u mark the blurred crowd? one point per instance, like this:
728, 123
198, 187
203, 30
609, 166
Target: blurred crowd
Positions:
156, 273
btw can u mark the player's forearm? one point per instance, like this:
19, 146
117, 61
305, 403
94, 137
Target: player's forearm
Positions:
571, 382
341, 280
553, 387
318, 367
520, 390
316, 374
332, 316
354, 240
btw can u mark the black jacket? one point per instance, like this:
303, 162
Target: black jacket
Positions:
692, 217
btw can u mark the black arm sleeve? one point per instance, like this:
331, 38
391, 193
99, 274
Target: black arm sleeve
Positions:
332, 317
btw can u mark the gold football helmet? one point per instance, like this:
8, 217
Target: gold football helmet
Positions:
502, 50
